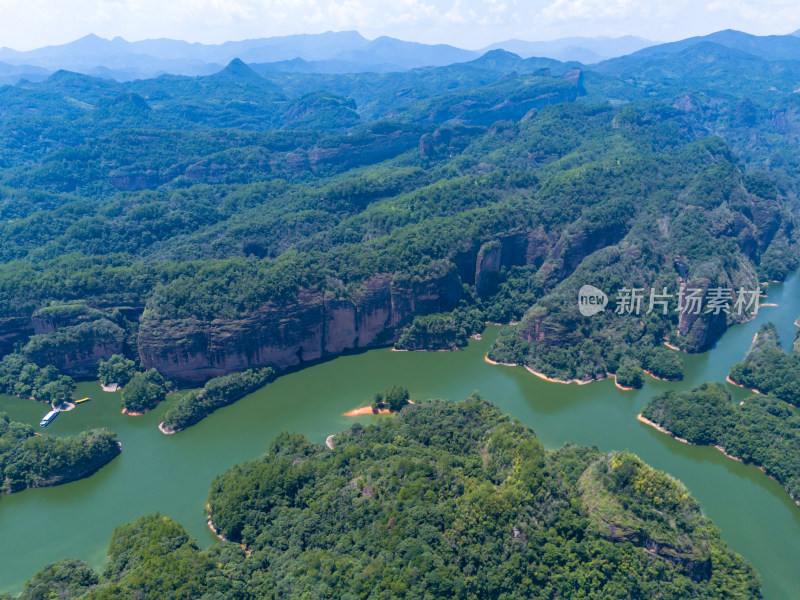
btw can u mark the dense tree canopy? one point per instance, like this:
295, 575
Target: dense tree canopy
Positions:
760, 430
447, 500
28, 460
217, 392
768, 369
144, 391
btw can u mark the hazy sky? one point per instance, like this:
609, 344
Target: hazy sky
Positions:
26, 24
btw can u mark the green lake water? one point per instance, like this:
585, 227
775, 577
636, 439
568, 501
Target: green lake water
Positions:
171, 474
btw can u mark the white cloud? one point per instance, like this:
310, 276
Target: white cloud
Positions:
772, 14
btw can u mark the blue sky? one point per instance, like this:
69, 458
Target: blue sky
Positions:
26, 24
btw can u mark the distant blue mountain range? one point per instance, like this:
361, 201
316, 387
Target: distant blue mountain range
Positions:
349, 52
331, 52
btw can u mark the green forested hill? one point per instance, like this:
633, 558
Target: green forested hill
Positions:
448, 500
203, 208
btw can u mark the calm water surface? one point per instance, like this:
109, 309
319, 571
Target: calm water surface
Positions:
171, 474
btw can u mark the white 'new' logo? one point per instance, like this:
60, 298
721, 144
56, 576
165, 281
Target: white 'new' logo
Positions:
591, 300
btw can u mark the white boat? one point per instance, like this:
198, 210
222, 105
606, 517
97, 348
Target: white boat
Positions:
49, 417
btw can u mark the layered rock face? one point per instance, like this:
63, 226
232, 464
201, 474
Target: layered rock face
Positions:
313, 326
12, 330
523, 248
77, 350
20, 328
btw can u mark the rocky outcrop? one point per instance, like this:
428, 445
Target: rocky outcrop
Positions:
313, 326
133, 179
51, 318
575, 77
77, 350
523, 248
697, 329
363, 150
13, 330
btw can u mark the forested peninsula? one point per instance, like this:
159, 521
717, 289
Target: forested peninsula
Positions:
29, 460
448, 499
759, 430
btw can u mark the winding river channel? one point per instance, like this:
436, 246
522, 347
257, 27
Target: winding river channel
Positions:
171, 474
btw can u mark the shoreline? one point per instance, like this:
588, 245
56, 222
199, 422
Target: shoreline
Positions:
739, 385
672, 347
553, 380
423, 350
537, 373
660, 378
166, 431
133, 413
486, 359
719, 448
329, 441
641, 418
221, 537
622, 387
366, 410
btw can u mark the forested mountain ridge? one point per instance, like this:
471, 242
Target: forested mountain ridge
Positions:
239, 220
448, 499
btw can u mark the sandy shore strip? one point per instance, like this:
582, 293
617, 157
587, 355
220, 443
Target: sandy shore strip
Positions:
221, 537
720, 449
133, 413
329, 441
647, 421
672, 347
440, 350
498, 364
366, 410
553, 380
537, 373
657, 377
111, 387
164, 430
739, 385
731, 456
622, 387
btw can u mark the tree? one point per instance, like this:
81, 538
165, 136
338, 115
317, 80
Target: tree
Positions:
144, 391
397, 398
630, 374
116, 369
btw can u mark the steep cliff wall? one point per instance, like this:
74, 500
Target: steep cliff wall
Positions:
13, 330
313, 326
76, 350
